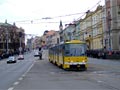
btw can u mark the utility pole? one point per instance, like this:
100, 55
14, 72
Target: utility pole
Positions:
109, 29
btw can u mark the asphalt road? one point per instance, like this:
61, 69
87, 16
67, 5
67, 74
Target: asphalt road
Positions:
101, 75
10, 73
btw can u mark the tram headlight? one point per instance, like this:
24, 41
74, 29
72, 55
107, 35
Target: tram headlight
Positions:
83, 61
71, 61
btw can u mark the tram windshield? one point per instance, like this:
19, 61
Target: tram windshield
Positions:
75, 49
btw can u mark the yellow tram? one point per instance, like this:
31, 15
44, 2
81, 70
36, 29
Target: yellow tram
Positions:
69, 55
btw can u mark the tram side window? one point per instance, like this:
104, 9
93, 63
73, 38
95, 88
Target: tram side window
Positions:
61, 49
67, 50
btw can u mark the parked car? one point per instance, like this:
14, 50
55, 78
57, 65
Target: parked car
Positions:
11, 59
20, 57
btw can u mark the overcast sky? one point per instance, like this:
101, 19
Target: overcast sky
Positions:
31, 14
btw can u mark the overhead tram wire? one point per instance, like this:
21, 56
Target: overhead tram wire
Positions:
90, 9
33, 20
67, 15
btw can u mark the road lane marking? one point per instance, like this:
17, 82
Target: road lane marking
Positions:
29, 69
99, 81
11, 88
23, 75
16, 83
20, 79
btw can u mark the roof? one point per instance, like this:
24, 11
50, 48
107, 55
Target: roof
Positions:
50, 33
5, 24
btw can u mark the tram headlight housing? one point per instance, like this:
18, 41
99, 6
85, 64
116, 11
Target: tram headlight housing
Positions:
83, 61
71, 61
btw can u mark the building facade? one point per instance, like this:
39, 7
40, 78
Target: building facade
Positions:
97, 28
86, 32
112, 31
10, 38
50, 38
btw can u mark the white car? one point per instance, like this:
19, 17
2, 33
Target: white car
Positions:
20, 57
36, 53
11, 59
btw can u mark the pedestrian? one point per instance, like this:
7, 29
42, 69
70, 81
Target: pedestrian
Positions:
104, 53
40, 53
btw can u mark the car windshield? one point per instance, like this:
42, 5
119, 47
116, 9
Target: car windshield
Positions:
11, 58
